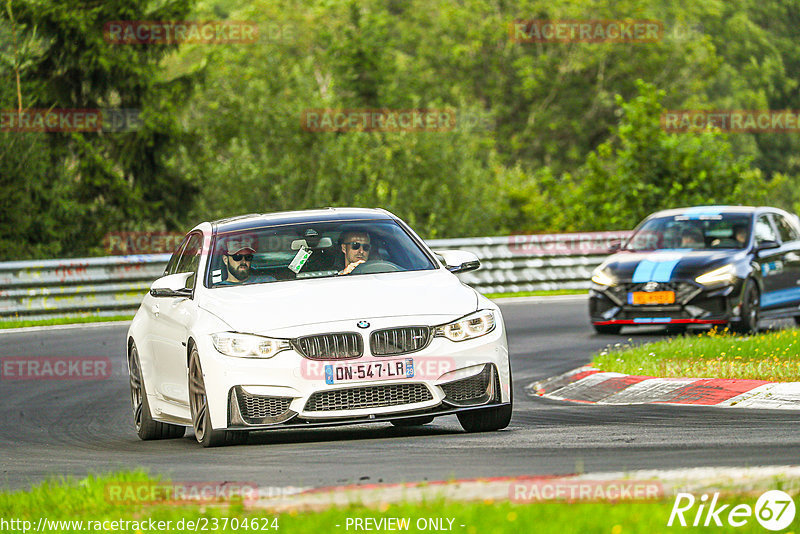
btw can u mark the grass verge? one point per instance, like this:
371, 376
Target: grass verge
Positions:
773, 356
87, 502
22, 323
542, 293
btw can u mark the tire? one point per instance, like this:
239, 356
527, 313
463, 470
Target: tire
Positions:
198, 404
751, 309
607, 329
797, 320
412, 421
146, 427
485, 420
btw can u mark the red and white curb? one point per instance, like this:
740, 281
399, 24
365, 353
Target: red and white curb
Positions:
593, 386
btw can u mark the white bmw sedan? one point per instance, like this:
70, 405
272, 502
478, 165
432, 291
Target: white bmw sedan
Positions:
313, 318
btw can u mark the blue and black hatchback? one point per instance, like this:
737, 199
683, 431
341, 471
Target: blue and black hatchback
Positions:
717, 265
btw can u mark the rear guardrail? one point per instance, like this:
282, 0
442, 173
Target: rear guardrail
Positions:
115, 285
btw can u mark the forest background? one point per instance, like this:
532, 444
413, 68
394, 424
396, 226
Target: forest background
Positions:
554, 136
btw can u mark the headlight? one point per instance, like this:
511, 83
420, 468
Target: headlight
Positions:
474, 325
248, 345
724, 275
601, 277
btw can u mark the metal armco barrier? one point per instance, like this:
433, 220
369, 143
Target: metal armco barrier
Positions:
115, 285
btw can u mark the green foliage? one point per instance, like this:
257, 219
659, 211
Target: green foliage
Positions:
568, 137
80, 185
642, 168
714, 354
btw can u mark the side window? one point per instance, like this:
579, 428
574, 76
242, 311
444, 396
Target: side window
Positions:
173, 261
785, 229
189, 259
764, 231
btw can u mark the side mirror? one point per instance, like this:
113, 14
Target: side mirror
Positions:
173, 285
614, 246
766, 245
458, 261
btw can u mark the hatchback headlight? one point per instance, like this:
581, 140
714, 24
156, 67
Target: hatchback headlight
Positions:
724, 275
603, 278
248, 345
474, 325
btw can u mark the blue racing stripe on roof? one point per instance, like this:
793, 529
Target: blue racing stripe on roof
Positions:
700, 213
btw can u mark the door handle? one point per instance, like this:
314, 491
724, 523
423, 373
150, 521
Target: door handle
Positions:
155, 310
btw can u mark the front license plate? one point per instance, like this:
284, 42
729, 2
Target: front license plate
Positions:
339, 373
652, 297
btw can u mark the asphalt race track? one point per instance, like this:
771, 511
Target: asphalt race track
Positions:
51, 427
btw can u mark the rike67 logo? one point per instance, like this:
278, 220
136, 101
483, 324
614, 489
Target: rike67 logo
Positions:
774, 510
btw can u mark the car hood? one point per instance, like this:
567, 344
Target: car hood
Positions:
272, 306
667, 265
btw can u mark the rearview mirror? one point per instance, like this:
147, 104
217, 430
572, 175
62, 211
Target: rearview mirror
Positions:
458, 261
172, 285
324, 242
614, 246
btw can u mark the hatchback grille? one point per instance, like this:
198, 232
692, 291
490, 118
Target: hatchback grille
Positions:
684, 291
467, 389
368, 397
341, 346
394, 341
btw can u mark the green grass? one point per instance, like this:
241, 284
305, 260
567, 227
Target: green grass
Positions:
87, 500
769, 356
21, 323
541, 293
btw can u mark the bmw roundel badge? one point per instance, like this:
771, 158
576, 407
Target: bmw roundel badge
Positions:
362, 324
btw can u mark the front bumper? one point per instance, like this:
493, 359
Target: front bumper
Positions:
289, 390
694, 304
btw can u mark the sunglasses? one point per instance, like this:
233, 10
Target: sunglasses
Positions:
355, 245
239, 257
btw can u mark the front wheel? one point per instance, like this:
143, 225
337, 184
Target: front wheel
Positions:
751, 308
198, 404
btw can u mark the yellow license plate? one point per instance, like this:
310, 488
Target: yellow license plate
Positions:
652, 297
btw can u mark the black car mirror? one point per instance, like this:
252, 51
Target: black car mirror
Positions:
766, 245
614, 246
173, 285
